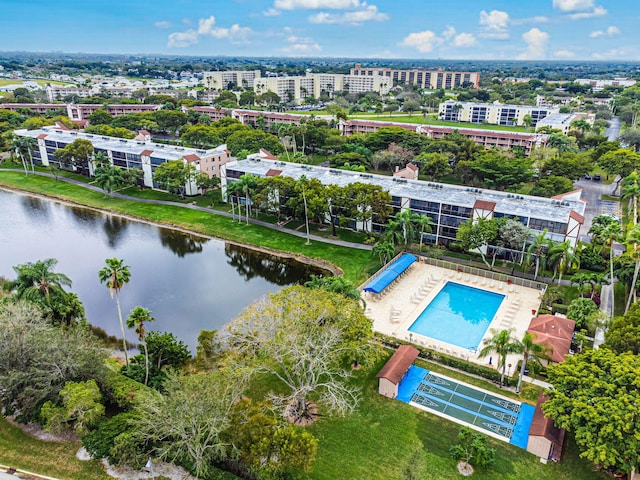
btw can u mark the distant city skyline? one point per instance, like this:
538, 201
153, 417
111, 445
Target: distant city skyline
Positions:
463, 29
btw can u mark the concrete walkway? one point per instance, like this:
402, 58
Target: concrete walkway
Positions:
606, 307
295, 233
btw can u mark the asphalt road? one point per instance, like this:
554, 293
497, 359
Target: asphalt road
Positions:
613, 132
592, 192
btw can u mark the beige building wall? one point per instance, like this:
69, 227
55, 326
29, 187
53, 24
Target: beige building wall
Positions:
387, 388
539, 446
220, 80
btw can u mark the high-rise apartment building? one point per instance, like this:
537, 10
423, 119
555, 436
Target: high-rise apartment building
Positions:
221, 80
422, 78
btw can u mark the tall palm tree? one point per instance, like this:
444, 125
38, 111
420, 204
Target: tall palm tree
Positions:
538, 248
633, 239
408, 220
425, 222
606, 231
114, 275
37, 280
501, 343
137, 318
22, 146
109, 177
631, 191
384, 250
563, 258
247, 183
531, 351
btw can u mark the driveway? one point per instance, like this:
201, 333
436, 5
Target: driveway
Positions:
613, 132
592, 192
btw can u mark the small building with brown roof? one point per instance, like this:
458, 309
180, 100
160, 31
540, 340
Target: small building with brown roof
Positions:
545, 439
410, 171
395, 369
555, 332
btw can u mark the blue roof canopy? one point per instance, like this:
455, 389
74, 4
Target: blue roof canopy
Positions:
392, 272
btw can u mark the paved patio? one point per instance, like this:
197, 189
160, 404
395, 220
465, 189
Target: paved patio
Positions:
402, 302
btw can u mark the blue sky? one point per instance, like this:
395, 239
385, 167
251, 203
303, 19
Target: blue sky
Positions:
429, 29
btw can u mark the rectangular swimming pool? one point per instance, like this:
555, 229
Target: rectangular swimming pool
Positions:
458, 315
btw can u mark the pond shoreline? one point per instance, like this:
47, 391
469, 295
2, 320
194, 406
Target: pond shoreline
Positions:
314, 262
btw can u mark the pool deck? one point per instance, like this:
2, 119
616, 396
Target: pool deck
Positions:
395, 311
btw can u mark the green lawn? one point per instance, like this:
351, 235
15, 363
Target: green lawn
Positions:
53, 459
356, 264
19, 81
430, 120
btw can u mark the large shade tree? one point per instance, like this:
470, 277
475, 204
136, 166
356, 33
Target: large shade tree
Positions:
596, 396
305, 339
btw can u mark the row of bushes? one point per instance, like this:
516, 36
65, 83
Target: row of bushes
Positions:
457, 363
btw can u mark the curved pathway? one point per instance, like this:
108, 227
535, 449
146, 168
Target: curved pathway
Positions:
254, 221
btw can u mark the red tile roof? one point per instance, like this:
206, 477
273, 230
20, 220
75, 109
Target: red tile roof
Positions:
146, 153
42, 135
484, 205
272, 172
411, 166
398, 364
144, 132
542, 426
192, 157
267, 155
576, 216
554, 331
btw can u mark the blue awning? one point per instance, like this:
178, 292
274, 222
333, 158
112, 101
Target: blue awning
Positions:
392, 272
402, 263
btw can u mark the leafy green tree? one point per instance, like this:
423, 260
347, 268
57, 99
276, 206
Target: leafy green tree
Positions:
385, 251
23, 147
435, 165
623, 334
496, 170
201, 136
512, 235
137, 319
39, 358
472, 447
115, 275
551, 186
108, 131
247, 99
477, 235
633, 240
100, 117
76, 153
631, 191
531, 351
253, 140
582, 310
503, 344
621, 162
207, 184
174, 175
336, 285
169, 120
81, 407
595, 396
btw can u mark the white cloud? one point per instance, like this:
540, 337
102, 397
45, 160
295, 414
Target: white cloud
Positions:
494, 24
183, 39
524, 21
573, 5
272, 12
206, 27
564, 54
597, 12
611, 31
369, 14
449, 32
301, 45
317, 4
162, 24
424, 42
537, 42
614, 53
465, 40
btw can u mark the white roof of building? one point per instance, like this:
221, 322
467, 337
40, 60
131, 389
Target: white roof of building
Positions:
509, 203
557, 119
167, 152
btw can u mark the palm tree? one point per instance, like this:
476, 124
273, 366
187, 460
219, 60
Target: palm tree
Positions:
563, 258
114, 275
385, 251
408, 221
633, 238
246, 184
109, 177
23, 146
37, 280
606, 231
502, 344
531, 351
631, 191
582, 279
425, 222
538, 248
137, 318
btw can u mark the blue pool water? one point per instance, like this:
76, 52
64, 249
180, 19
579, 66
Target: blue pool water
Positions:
458, 315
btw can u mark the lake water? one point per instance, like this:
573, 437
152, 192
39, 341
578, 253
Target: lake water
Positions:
190, 283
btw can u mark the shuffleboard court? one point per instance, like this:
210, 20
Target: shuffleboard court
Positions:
492, 414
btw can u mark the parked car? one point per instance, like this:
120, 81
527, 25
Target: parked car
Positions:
597, 177
587, 177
